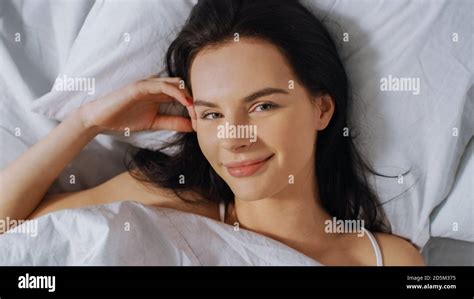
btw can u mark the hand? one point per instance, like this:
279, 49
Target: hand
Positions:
136, 107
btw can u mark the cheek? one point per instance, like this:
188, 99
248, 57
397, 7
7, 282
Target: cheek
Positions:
208, 143
293, 138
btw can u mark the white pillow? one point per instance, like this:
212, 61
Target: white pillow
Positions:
445, 222
120, 42
426, 129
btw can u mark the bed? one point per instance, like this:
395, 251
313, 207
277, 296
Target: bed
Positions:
428, 132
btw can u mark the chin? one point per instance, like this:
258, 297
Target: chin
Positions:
250, 196
250, 191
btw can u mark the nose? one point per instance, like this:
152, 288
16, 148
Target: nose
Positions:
235, 144
236, 140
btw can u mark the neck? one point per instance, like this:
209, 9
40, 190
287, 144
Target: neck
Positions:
293, 216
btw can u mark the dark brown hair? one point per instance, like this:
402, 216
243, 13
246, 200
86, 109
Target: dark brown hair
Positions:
312, 54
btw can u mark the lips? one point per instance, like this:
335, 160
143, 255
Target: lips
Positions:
246, 167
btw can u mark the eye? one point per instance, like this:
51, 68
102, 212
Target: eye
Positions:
209, 115
265, 106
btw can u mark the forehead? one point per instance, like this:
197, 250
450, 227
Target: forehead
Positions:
235, 69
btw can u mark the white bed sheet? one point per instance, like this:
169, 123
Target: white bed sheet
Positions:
130, 234
28, 69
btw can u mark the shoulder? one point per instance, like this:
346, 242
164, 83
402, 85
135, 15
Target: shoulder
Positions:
104, 193
124, 187
397, 251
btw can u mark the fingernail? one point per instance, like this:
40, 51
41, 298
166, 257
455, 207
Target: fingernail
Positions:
190, 100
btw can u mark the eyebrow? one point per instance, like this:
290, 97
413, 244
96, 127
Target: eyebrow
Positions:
255, 95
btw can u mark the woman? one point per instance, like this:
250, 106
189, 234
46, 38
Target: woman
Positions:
267, 67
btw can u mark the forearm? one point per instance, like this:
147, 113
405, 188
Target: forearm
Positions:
25, 181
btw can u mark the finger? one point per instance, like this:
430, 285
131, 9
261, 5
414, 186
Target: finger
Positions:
164, 98
152, 77
175, 81
179, 94
151, 87
161, 98
165, 79
172, 123
192, 112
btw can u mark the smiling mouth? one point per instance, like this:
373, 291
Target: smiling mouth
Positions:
246, 169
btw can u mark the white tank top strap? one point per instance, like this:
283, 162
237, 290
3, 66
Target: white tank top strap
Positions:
222, 211
375, 245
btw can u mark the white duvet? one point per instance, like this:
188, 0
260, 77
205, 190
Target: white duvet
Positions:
131, 234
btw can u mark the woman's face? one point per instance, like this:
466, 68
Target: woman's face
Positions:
250, 107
